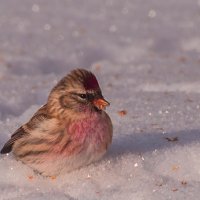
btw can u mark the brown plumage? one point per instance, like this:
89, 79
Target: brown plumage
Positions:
71, 130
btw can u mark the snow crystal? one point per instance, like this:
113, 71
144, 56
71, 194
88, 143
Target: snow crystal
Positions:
35, 8
152, 13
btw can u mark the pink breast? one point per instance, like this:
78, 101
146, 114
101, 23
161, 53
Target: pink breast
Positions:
91, 129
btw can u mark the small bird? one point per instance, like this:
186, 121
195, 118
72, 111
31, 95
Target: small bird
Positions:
70, 131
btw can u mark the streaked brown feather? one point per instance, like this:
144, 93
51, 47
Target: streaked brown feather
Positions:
19, 133
24, 130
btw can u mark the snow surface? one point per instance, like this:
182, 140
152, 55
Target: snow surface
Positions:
146, 57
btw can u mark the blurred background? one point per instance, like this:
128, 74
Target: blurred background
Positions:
139, 38
54, 35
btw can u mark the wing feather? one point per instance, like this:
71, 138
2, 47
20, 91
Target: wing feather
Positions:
24, 130
19, 133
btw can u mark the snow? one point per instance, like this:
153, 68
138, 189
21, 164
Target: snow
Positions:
146, 57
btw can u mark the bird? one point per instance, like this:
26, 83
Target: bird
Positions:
70, 131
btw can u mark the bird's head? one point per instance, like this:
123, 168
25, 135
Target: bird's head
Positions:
79, 91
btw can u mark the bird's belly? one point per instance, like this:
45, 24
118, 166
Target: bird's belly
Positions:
54, 164
83, 158
88, 143
90, 139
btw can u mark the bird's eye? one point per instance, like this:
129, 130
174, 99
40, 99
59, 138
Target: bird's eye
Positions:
83, 96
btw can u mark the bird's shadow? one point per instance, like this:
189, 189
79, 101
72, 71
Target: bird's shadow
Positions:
141, 143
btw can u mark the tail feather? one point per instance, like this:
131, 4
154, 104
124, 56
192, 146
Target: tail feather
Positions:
19, 133
7, 148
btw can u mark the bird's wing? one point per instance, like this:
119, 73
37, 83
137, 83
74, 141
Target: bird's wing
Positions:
24, 130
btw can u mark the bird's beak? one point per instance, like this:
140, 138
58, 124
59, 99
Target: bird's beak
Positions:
101, 103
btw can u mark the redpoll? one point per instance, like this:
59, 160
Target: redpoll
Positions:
70, 131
